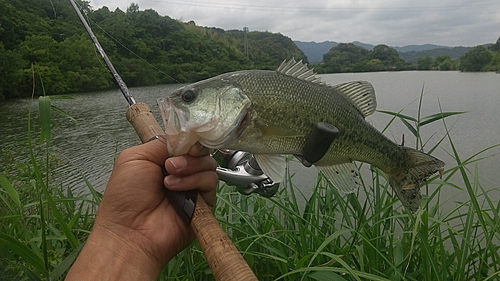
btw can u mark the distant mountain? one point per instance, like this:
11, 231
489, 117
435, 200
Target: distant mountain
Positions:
364, 45
453, 52
314, 51
419, 48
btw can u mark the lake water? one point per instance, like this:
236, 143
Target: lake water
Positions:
101, 131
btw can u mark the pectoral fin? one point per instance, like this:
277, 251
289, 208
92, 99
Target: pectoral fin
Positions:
344, 177
273, 165
277, 131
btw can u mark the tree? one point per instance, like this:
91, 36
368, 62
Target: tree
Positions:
39, 49
444, 62
496, 46
345, 54
384, 53
375, 65
11, 74
388, 56
475, 59
16, 23
424, 63
133, 8
82, 69
344, 57
144, 46
352, 58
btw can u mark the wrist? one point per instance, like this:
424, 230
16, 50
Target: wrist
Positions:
108, 255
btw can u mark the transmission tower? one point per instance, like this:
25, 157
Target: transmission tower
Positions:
245, 40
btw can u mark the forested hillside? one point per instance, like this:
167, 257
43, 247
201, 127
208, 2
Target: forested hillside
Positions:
44, 41
44, 44
454, 53
349, 57
352, 58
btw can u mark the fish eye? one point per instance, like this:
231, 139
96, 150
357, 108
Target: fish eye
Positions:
188, 96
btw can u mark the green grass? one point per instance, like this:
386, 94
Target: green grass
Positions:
340, 237
367, 235
42, 225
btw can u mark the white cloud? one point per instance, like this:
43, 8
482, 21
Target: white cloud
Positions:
392, 22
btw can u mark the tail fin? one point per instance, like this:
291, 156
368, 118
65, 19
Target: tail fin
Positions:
406, 181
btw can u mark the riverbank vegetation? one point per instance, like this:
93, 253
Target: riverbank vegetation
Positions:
147, 49
367, 235
352, 58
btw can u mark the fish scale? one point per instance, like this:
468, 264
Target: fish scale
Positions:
271, 113
299, 112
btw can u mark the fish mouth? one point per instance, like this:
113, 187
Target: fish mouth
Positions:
239, 126
179, 139
173, 117
243, 124
182, 134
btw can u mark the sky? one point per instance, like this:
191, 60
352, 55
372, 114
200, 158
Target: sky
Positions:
391, 22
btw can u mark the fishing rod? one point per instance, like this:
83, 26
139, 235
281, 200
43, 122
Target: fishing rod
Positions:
119, 80
222, 256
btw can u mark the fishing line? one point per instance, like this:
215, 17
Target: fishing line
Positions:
358, 8
121, 84
135, 54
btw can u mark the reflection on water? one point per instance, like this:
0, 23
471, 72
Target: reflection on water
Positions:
90, 145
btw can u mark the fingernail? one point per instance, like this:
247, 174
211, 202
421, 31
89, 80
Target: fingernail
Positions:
178, 162
171, 180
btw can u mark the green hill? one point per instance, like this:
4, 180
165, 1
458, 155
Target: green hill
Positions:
315, 51
454, 53
47, 38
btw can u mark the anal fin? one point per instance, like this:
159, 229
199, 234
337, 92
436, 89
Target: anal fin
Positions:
344, 177
272, 165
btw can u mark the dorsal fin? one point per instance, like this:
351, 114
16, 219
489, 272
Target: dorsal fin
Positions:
299, 70
362, 94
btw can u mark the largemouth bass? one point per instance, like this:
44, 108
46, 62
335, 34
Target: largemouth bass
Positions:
271, 114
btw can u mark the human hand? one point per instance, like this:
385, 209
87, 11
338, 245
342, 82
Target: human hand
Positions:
136, 225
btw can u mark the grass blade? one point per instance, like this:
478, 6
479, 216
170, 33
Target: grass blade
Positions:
38, 174
325, 275
410, 127
11, 191
44, 108
64, 266
57, 109
399, 115
328, 241
438, 116
24, 252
